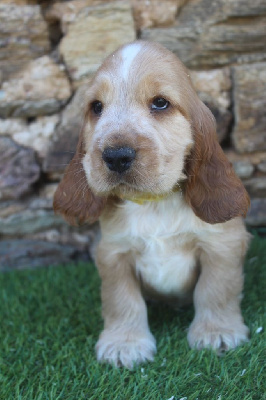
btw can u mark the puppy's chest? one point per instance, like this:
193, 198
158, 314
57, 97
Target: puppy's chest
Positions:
162, 245
166, 263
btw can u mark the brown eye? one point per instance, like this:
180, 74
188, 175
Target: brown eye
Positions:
159, 104
97, 107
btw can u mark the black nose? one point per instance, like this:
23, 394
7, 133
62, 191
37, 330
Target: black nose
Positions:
119, 159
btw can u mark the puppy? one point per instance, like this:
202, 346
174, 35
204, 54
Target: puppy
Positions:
149, 166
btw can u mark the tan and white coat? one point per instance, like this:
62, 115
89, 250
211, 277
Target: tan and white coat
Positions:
171, 223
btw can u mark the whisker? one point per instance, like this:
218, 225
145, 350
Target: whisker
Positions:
76, 183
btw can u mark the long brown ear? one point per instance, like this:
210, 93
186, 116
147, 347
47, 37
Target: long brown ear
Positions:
213, 190
73, 198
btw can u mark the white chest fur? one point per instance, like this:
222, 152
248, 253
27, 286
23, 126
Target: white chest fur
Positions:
162, 237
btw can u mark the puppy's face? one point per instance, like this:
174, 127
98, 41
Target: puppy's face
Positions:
144, 131
137, 131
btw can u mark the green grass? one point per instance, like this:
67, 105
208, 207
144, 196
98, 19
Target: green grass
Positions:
50, 320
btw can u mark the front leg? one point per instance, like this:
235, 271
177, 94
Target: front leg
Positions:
126, 339
218, 322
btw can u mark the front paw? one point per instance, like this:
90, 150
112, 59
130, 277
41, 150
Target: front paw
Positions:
122, 348
217, 335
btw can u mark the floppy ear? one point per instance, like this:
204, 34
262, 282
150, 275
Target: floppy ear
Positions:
73, 198
213, 190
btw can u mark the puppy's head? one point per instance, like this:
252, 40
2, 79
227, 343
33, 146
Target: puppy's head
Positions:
145, 131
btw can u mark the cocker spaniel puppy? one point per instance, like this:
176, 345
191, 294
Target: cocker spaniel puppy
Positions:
149, 166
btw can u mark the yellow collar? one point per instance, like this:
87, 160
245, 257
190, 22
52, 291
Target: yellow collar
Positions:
152, 197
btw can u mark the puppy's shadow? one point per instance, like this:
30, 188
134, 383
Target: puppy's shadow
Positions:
164, 318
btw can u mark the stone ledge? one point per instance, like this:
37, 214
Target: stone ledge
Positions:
257, 213
40, 88
212, 34
23, 36
23, 253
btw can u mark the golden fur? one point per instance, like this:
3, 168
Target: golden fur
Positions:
190, 244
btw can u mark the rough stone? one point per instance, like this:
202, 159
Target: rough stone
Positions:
18, 169
10, 207
36, 135
244, 169
19, 2
215, 83
95, 33
65, 138
222, 116
148, 14
256, 186
41, 88
25, 253
28, 222
217, 33
84, 239
48, 191
249, 133
213, 88
257, 213
254, 158
10, 127
34, 219
66, 12
23, 36
262, 166
56, 176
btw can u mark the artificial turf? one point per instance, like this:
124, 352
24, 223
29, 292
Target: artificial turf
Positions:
50, 319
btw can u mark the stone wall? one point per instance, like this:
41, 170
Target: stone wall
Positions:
50, 49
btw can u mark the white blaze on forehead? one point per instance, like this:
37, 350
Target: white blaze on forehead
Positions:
128, 54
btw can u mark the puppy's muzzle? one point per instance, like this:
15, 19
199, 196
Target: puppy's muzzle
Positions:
119, 159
